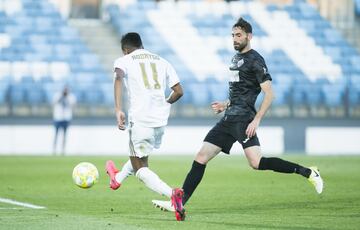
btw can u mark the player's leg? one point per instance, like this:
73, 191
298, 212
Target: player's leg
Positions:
126, 171
218, 139
196, 173
142, 142
116, 176
56, 125
252, 151
65, 125
148, 177
256, 161
153, 182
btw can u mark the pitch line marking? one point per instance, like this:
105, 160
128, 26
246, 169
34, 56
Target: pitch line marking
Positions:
14, 202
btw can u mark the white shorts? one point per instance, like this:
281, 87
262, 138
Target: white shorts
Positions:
143, 139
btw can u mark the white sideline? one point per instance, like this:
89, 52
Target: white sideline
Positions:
14, 202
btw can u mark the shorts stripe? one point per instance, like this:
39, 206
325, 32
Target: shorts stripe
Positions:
131, 145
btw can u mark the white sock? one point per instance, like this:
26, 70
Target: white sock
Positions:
153, 182
126, 171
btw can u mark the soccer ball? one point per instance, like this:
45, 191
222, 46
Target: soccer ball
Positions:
85, 175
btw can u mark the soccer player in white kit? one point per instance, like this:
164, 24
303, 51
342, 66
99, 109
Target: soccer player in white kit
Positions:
146, 76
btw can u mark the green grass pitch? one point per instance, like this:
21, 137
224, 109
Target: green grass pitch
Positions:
231, 196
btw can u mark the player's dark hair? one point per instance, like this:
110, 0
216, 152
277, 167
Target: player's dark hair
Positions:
244, 25
131, 40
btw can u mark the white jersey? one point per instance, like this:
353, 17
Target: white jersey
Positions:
146, 77
63, 107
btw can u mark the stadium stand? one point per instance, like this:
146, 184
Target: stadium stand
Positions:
312, 65
40, 52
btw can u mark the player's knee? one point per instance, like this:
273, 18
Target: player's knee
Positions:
202, 158
254, 164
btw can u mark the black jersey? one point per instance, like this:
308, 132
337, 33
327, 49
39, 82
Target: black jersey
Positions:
248, 72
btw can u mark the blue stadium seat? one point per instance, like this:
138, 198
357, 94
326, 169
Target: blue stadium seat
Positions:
281, 93
50, 89
219, 91
34, 94
68, 34
147, 5
298, 96
24, 21
108, 96
39, 33
93, 96
283, 79
17, 94
36, 39
333, 94
63, 52
199, 93
354, 95
3, 91
313, 94
44, 24
89, 62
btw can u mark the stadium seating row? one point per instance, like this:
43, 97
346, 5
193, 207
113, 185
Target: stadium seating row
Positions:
295, 81
40, 52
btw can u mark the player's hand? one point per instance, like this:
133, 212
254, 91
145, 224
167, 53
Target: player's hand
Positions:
120, 117
218, 107
251, 129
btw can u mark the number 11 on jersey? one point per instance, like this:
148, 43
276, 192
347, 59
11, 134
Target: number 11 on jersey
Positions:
154, 76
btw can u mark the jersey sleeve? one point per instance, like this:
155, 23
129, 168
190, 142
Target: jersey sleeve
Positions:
120, 63
261, 72
171, 76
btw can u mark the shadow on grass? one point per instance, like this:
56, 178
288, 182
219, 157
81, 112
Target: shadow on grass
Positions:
239, 208
261, 226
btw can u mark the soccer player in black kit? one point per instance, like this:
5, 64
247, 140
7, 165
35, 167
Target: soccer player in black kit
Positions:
249, 77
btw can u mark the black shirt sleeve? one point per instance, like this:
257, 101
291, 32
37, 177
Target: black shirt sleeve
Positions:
261, 72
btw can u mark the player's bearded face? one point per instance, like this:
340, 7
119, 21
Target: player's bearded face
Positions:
240, 39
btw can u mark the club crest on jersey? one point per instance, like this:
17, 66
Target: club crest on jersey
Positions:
240, 63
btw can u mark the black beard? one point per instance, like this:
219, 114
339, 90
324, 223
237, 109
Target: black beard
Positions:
240, 47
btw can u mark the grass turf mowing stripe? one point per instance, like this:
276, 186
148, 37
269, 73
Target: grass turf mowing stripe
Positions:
14, 202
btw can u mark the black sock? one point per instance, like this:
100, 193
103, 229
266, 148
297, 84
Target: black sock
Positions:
192, 180
279, 165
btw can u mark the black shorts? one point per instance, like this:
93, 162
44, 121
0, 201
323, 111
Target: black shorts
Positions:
225, 133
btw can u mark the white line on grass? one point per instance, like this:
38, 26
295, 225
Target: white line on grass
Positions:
14, 202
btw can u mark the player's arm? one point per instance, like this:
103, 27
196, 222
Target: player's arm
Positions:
176, 93
120, 115
220, 106
268, 98
265, 104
